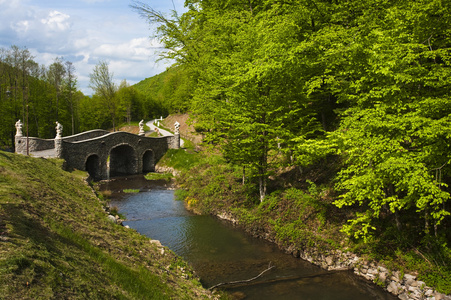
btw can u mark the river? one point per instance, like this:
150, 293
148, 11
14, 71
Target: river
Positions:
219, 252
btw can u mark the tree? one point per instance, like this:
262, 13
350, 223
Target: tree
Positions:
56, 74
127, 99
395, 134
101, 81
248, 89
70, 83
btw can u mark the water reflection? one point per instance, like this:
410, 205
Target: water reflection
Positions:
221, 253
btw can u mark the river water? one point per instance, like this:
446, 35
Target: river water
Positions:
219, 252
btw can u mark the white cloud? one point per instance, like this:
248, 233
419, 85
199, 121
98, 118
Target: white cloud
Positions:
57, 21
21, 27
137, 49
84, 32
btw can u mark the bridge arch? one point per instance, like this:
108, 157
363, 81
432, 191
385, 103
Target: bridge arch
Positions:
123, 161
148, 160
92, 166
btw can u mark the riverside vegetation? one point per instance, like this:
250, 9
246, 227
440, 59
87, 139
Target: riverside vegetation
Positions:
56, 242
332, 119
299, 215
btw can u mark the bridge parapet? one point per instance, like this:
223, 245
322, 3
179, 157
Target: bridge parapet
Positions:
37, 144
34, 144
85, 135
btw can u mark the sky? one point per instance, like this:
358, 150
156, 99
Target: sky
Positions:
85, 32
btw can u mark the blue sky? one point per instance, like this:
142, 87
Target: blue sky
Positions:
84, 32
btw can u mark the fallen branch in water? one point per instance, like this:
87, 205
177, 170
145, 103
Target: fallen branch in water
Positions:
270, 266
294, 277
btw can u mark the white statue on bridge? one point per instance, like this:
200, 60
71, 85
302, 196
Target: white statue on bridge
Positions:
141, 128
177, 127
19, 128
59, 130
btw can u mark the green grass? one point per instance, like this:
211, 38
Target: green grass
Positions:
131, 191
159, 176
180, 159
137, 281
57, 243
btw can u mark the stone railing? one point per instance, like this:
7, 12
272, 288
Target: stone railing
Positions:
34, 144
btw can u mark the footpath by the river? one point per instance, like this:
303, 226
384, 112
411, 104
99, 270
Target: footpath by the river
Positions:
163, 132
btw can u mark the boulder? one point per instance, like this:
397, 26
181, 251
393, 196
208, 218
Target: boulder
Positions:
383, 276
403, 296
329, 260
393, 288
408, 277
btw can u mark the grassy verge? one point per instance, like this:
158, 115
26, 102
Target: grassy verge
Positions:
56, 242
180, 159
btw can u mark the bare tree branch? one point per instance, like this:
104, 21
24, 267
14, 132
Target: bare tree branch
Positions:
270, 266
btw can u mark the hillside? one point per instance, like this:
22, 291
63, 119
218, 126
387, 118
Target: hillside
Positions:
151, 85
56, 242
171, 89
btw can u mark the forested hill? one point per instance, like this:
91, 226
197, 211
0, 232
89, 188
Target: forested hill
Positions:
172, 87
288, 84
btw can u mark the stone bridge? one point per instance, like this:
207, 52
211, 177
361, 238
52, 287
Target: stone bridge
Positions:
101, 153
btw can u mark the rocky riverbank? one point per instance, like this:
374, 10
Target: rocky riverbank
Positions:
405, 286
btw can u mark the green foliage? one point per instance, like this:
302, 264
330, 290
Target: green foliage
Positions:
301, 80
51, 95
288, 84
395, 133
211, 184
296, 215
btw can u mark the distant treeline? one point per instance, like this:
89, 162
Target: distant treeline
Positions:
41, 95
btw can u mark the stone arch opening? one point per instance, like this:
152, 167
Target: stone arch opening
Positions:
92, 166
148, 161
123, 161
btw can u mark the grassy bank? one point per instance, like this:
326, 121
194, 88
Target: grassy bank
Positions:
299, 213
57, 243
